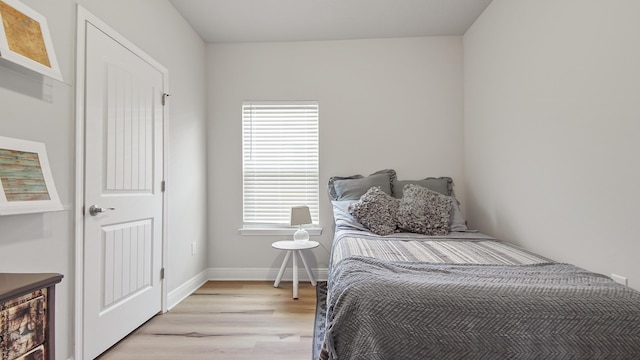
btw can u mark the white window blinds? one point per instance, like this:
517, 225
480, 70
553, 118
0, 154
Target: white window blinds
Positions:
279, 161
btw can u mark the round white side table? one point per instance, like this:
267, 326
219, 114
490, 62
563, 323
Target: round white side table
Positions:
297, 248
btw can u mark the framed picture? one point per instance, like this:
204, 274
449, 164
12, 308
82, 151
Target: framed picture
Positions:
26, 184
25, 39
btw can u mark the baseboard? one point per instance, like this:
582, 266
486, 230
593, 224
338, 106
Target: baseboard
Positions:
186, 289
262, 274
237, 274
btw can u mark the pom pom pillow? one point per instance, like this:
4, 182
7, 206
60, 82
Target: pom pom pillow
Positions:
377, 211
424, 211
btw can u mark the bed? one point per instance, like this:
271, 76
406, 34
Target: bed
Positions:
458, 294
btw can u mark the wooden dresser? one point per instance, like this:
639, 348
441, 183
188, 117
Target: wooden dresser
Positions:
27, 316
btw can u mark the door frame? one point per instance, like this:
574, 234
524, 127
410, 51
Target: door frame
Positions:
84, 17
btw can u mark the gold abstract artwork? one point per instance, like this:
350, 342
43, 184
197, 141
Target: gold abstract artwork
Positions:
24, 34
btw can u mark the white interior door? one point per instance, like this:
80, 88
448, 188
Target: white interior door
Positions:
123, 175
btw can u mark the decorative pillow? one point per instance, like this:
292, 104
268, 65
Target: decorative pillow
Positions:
443, 185
376, 210
424, 211
353, 187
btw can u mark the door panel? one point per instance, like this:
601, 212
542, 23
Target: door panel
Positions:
128, 250
123, 172
129, 118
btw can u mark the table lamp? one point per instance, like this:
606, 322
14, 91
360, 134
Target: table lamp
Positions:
300, 215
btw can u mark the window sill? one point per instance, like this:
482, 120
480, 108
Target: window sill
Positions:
277, 231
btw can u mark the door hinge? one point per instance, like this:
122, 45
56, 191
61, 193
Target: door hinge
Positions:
162, 274
164, 98
163, 186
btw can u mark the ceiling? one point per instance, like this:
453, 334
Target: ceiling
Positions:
309, 20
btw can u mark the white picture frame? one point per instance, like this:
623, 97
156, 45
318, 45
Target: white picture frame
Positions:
25, 39
26, 183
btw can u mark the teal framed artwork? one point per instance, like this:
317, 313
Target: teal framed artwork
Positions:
26, 183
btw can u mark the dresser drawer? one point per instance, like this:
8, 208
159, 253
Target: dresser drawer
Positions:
35, 354
22, 325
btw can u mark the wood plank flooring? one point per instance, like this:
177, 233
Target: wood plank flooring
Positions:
228, 320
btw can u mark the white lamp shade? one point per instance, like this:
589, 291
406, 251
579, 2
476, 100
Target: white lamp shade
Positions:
300, 215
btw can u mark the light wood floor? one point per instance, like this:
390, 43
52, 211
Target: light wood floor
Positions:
228, 320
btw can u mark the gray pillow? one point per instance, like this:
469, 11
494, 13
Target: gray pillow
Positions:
424, 211
443, 185
376, 210
353, 187
456, 219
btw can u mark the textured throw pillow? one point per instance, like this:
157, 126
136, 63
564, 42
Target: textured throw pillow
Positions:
443, 185
353, 187
424, 211
376, 210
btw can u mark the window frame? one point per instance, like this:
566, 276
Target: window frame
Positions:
264, 228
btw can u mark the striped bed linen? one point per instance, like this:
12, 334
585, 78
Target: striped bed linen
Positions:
478, 251
467, 295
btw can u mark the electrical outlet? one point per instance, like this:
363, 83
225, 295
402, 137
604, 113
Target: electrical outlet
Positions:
193, 248
620, 279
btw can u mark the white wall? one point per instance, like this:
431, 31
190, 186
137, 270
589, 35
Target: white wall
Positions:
45, 242
391, 103
551, 129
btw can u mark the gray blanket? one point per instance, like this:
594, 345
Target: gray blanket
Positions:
386, 310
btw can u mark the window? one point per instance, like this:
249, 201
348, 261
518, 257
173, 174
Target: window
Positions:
279, 161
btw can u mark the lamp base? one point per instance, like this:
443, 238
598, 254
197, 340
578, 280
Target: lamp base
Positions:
301, 236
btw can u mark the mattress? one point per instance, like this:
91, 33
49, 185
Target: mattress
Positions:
468, 295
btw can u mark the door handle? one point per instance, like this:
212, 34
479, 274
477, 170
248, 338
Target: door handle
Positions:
94, 210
